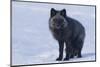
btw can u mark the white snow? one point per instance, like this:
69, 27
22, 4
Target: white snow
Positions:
32, 41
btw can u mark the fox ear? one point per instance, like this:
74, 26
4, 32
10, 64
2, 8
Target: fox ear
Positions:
63, 12
53, 12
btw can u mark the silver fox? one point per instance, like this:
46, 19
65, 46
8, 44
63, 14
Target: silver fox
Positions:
67, 30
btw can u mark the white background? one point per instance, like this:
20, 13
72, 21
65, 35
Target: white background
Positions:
5, 32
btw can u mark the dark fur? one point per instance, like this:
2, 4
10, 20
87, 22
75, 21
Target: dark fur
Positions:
67, 30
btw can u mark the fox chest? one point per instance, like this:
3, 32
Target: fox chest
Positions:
61, 34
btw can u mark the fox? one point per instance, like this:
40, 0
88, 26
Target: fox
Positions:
68, 31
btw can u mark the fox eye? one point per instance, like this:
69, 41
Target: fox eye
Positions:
58, 20
62, 20
54, 20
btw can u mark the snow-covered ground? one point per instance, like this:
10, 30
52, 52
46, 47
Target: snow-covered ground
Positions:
32, 42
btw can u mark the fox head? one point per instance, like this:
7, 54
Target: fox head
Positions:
58, 19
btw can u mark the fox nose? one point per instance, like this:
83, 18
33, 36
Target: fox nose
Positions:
58, 25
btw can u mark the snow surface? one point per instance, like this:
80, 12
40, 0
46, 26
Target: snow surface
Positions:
32, 41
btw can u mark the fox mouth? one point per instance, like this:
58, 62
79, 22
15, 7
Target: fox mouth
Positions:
58, 27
